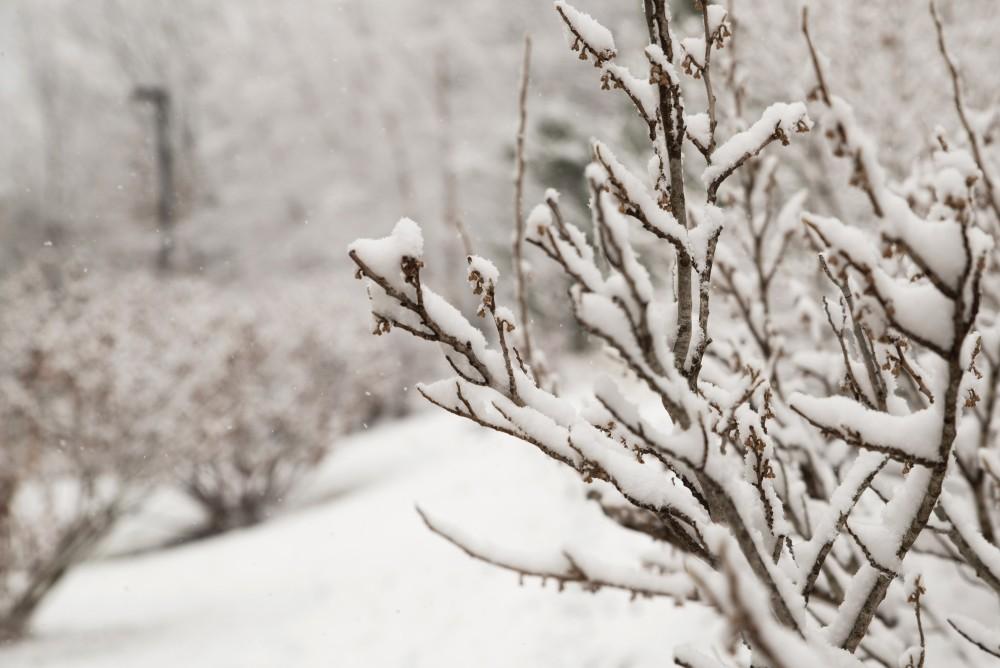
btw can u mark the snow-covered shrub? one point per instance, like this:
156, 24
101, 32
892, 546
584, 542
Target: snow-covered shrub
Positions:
80, 394
791, 447
273, 379
112, 385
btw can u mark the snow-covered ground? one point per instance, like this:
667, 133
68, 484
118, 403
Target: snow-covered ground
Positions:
355, 579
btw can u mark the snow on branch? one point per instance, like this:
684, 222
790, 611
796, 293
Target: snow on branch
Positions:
984, 638
569, 566
905, 303
640, 482
943, 264
738, 594
909, 439
717, 27
982, 555
936, 309
693, 49
777, 123
636, 200
586, 35
687, 656
812, 554
644, 95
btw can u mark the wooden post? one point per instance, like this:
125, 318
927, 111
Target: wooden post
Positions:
159, 98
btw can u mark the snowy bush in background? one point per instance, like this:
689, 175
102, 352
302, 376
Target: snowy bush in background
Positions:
273, 380
782, 484
80, 416
110, 389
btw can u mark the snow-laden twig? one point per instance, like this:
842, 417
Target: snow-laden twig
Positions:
982, 637
566, 567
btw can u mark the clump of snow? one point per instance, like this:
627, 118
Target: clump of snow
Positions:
960, 161
505, 315
384, 256
717, 15
919, 309
587, 28
950, 185
694, 55
487, 271
844, 239
539, 220
698, 127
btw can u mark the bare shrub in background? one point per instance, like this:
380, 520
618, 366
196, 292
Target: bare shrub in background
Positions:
80, 423
110, 390
268, 393
790, 513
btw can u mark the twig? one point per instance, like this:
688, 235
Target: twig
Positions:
452, 218
707, 77
520, 286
